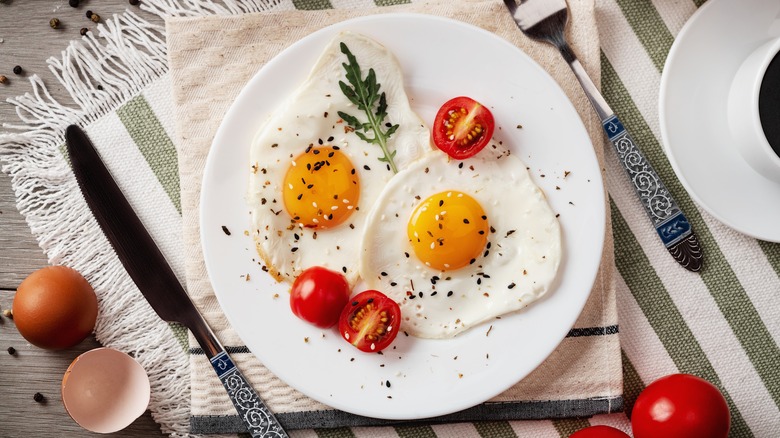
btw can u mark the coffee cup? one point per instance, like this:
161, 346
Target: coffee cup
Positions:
754, 109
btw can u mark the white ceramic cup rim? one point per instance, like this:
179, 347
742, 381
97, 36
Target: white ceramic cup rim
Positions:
743, 114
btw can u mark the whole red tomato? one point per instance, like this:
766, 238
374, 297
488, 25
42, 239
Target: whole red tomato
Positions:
318, 295
680, 406
599, 432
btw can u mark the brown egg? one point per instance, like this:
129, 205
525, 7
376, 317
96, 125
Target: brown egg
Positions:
55, 308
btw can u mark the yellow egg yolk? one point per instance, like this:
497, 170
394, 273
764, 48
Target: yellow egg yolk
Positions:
321, 188
448, 230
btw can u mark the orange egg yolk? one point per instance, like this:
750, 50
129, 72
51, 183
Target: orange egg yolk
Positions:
448, 230
321, 188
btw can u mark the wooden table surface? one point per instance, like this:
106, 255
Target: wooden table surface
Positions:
27, 40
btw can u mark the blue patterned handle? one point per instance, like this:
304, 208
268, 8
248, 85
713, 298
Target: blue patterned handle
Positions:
669, 221
258, 419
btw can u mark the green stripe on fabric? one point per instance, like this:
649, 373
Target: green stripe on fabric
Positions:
494, 429
632, 384
180, 333
415, 432
772, 252
649, 27
340, 432
153, 142
570, 425
663, 316
721, 281
391, 2
312, 5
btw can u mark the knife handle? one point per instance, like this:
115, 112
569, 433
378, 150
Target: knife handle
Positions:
257, 418
669, 221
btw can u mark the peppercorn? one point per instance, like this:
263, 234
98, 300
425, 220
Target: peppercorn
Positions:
18, 70
3, 79
83, 31
54, 23
11, 351
95, 18
100, 87
73, 3
38, 397
134, 2
89, 14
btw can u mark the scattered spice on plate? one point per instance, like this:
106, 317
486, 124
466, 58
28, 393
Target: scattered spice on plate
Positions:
225, 230
3, 79
12, 351
134, 2
95, 18
74, 3
54, 23
18, 70
83, 31
89, 14
38, 397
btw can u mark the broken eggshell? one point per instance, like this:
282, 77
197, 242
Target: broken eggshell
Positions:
104, 390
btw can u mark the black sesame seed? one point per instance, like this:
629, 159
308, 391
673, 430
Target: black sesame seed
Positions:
225, 230
383, 274
369, 301
331, 139
355, 303
434, 293
387, 383
392, 283
511, 285
293, 249
465, 221
479, 281
365, 166
421, 294
471, 262
449, 294
460, 165
344, 268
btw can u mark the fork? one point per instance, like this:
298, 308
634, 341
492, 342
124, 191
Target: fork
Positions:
545, 20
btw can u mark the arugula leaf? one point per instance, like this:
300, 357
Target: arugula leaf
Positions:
365, 95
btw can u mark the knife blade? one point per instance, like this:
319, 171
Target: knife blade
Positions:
153, 276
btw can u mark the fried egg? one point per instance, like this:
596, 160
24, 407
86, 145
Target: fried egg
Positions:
313, 180
456, 243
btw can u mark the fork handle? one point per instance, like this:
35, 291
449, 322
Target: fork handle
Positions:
669, 221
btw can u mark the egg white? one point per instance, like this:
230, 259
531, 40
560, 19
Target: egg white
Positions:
309, 117
518, 266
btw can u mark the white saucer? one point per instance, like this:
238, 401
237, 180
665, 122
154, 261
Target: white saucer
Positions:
693, 117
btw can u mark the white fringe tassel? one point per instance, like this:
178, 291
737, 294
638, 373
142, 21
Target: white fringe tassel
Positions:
101, 73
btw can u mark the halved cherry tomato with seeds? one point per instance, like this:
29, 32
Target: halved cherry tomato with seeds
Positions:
462, 127
370, 321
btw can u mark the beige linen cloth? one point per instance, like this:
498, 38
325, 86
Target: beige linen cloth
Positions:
212, 58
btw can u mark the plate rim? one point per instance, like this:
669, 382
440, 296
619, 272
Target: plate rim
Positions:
599, 228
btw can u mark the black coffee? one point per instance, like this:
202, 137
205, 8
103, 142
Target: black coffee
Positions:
769, 104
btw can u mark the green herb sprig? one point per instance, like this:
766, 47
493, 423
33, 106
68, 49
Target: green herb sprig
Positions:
365, 94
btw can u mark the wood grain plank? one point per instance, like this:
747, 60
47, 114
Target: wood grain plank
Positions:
27, 41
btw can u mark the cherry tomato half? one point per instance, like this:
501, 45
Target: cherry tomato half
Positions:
370, 321
462, 127
318, 295
680, 406
599, 432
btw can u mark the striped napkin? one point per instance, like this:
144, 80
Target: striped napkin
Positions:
722, 324
583, 376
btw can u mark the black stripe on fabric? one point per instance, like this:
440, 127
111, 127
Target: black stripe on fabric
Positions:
490, 411
573, 333
230, 350
593, 331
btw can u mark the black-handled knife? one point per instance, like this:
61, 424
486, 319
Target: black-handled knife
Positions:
148, 268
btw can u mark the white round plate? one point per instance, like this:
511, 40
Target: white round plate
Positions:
441, 59
693, 115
